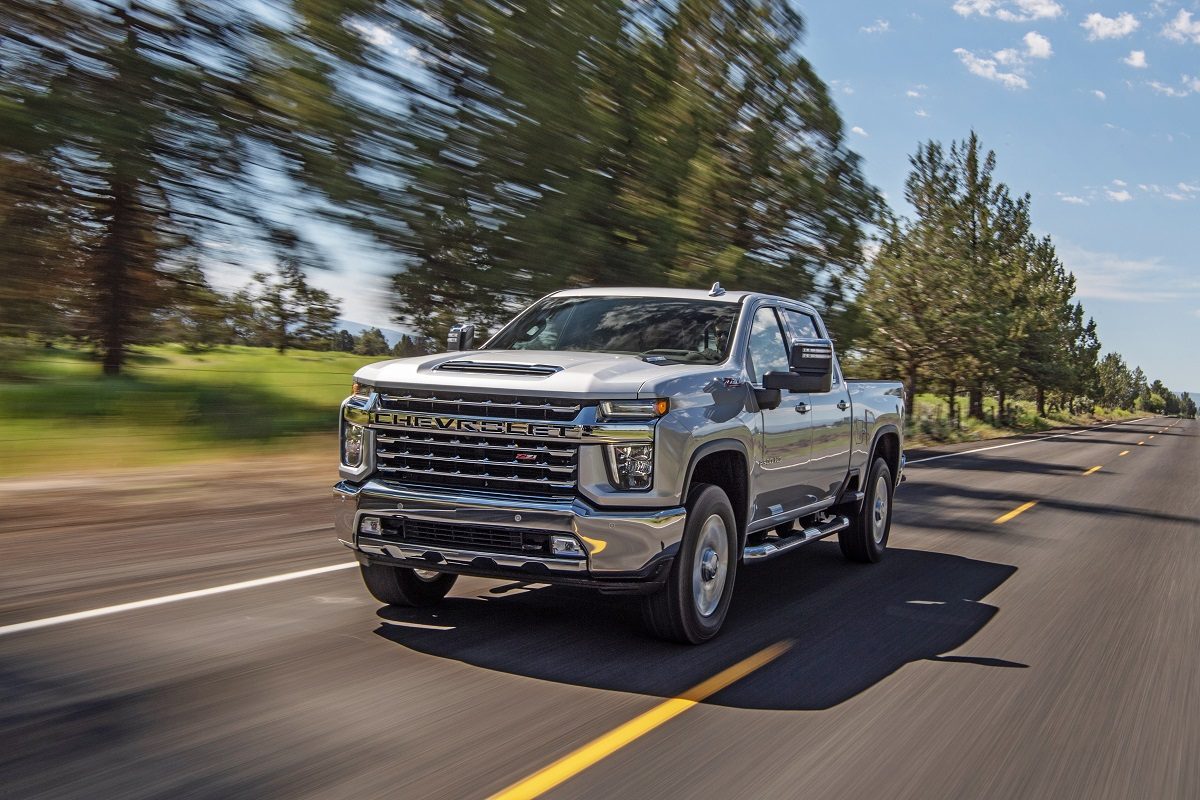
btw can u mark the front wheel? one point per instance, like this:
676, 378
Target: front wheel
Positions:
692, 605
866, 538
400, 586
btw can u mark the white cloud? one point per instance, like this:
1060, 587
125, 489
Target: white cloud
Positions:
1109, 276
1176, 196
1136, 59
1099, 95
989, 68
1119, 182
1118, 195
1072, 199
878, 26
1099, 26
920, 112
859, 131
1015, 61
1187, 85
1010, 10
1183, 28
912, 93
1190, 188
1037, 46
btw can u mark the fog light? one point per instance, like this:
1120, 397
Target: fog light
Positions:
370, 525
566, 546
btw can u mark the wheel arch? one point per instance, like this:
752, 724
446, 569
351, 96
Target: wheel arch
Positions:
724, 463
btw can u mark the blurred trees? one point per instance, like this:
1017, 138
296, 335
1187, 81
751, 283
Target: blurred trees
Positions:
144, 128
603, 142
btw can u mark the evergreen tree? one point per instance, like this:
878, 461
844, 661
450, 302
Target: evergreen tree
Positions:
372, 343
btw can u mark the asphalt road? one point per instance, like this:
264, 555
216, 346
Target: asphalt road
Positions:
1053, 654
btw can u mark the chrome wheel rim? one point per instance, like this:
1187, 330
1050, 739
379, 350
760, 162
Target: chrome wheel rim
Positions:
879, 513
427, 575
710, 565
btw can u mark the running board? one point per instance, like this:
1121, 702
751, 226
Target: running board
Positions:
766, 550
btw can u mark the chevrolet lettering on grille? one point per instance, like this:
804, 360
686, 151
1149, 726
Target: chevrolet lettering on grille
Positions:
479, 426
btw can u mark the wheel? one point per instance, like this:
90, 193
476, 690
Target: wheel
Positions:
400, 586
866, 538
692, 605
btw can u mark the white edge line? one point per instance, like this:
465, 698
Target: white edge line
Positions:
170, 598
1024, 441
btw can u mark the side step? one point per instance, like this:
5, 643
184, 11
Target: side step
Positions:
766, 550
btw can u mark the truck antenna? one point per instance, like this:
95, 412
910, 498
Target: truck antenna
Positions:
716, 290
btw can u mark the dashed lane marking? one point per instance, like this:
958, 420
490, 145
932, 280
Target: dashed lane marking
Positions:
572, 764
1094, 469
1021, 509
1124, 452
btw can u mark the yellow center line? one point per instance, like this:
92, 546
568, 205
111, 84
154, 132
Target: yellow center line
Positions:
1094, 469
572, 764
1152, 436
1124, 452
1021, 509
1140, 444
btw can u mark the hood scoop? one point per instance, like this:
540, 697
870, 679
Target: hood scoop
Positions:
498, 367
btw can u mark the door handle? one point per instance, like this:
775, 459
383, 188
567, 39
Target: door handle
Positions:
842, 405
802, 408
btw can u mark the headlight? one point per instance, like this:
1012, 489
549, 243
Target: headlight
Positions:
352, 444
633, 409
632, 465
359, 389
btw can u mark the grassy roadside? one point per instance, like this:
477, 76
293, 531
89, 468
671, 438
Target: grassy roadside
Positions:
929, 420
57, 413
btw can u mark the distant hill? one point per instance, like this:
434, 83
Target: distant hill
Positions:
391, 334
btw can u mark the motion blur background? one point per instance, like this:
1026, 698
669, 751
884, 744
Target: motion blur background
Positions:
175, 173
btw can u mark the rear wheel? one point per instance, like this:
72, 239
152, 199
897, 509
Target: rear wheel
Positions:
400, 586
691, 607
866, 538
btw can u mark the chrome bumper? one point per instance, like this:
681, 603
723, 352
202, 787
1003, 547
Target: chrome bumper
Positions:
616, 543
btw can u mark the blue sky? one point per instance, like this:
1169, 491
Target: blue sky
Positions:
1107, 141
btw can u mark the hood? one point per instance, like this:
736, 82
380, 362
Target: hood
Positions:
532, 372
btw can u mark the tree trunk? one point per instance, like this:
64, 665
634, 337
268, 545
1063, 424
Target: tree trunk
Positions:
952, 399
112, 277
1000, 415
975, 403
1041, 402
910, 386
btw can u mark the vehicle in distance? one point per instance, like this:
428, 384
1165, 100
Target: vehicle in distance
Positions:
648, 441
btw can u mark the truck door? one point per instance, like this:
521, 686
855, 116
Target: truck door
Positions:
830, 420
786, 435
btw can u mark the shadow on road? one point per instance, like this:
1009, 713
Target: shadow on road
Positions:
851, 626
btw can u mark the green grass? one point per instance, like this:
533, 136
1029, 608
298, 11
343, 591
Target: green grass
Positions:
929, 421
58, 413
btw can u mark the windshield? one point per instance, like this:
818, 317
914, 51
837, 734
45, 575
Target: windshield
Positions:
657, 329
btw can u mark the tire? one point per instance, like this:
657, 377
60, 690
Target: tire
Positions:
866, 538
400, 586
691, 607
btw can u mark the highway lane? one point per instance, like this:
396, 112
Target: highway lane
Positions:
1051, 654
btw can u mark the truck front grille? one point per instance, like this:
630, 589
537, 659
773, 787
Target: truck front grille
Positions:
511, 465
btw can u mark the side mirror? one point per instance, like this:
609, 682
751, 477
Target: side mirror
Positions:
812, 364
462, 337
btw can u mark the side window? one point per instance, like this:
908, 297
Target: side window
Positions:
800, 325
767, 351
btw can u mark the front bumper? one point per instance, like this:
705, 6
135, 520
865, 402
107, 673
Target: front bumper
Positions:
619, 546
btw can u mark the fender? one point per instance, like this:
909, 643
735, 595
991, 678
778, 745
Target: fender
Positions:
708, 448
857, 471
